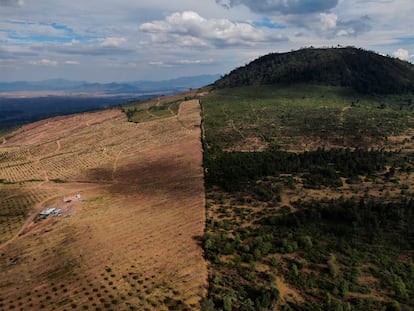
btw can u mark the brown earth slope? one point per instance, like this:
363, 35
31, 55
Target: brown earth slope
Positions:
131, 242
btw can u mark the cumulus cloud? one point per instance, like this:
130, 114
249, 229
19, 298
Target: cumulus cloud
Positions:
354, 27
99, 36
190, 29
194, 61
330, 25
45, 62
283, 6
11, 2
402, 54
328, 20
113, 42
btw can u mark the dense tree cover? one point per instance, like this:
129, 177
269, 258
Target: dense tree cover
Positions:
360, 222
364, 71
229, 170
332, 246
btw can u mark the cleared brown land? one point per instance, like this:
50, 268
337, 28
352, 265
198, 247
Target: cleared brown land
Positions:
132, 242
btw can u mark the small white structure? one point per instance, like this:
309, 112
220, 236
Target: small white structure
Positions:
47, 212
52, 211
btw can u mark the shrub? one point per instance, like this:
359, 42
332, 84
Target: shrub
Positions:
333, 266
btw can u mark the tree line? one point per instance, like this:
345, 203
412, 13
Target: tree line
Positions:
230, 170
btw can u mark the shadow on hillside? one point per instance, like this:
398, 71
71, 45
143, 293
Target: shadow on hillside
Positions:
176, 178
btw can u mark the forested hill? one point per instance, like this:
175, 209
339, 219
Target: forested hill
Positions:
364, 71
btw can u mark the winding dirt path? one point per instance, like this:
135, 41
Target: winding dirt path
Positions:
29, 220
115, 165
58, 146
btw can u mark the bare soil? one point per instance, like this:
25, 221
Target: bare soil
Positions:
133, 241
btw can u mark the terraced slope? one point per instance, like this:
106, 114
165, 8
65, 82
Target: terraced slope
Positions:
131, 242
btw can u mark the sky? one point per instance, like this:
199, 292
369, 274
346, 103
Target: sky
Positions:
130, 40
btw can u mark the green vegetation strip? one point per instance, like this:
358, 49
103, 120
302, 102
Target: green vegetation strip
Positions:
151, 110
229, 170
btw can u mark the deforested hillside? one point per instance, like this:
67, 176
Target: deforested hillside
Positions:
364, 71
98, 213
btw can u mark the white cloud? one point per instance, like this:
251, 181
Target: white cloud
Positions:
190, 29
330, 25
356, 26
160, 64
113, 42
194, 61
45, 62
342, 33
96, 48
71, 62
102, 33
189, 41
402, 54
73, 42
157, 63
182, 62
328, 20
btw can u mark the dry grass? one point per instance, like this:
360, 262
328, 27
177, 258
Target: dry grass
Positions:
286, 292
132, 242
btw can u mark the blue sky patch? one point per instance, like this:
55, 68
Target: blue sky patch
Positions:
406, 40
67, 34
267, 23
40, 38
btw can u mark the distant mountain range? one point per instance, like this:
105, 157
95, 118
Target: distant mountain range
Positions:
24, 102
115, 88
364, 71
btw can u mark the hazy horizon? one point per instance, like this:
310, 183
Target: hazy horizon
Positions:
108, 81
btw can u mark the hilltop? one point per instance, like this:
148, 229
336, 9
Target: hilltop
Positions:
364, 71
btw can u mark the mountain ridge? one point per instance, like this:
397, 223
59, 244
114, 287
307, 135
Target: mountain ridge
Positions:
141, 86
